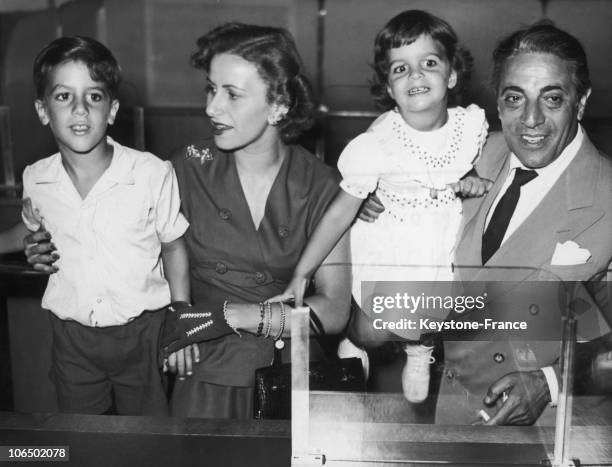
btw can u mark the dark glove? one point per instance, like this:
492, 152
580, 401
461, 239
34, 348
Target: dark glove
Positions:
186, 324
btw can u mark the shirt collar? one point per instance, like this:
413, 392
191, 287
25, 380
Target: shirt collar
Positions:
120, 170
560, 163
53, 171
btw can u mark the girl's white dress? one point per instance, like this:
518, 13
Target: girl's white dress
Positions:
413, 238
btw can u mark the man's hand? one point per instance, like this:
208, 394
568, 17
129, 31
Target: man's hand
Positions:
181, 361
527, 395
471, 186
370, 209
40, 251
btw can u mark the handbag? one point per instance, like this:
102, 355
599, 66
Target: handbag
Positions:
273, 383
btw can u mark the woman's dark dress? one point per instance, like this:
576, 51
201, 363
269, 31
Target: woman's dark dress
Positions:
231, 260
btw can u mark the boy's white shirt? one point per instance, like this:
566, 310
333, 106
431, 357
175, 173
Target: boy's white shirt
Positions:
109, 243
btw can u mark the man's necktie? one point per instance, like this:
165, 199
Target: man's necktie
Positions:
494, 234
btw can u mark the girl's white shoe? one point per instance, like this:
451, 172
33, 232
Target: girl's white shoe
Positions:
346, 349
415, 375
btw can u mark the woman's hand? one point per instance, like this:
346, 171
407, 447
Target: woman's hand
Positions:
40, 251
471, 186
185, 324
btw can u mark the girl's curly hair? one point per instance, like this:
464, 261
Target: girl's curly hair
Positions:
404, 29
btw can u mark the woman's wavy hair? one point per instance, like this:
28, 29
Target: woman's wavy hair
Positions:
404, 29
273, 52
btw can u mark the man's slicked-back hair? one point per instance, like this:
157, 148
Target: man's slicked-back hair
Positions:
273, 52
102, 65
543, 37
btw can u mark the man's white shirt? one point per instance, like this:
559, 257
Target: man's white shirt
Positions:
534, 191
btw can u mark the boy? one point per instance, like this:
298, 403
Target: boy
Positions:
111, 211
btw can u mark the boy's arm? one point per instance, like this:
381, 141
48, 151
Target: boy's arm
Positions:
11, 240
176, 269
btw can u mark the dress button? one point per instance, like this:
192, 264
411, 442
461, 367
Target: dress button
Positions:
283, 231
534, 309
221, 268
499, 357
260, 277
225, 214
450, 374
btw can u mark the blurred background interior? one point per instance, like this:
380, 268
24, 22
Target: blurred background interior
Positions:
162, 97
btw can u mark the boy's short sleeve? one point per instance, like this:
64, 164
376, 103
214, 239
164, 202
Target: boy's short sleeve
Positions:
359, 165
169, 222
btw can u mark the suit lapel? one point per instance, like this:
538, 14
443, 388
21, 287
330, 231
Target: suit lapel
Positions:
491, 165
563, 214
580, 190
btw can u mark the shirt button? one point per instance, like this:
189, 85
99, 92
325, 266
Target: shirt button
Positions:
260, 277
99, 300
225, 214
499, 357
534, 309
283, 231
221, 268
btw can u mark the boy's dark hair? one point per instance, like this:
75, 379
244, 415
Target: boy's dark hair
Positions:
274, 54
404, 29
544, 37
102, 65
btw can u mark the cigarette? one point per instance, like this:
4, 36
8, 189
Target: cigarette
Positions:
484, 415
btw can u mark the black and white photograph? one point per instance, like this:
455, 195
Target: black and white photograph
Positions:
355, 233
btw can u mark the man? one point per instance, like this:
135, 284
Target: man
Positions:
559, 224
548, 216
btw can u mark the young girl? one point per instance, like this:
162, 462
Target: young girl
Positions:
416, 156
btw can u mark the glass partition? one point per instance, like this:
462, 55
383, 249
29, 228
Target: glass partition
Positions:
584, 415
496, 322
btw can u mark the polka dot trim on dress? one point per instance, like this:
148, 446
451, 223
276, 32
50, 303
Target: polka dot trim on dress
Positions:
399, 204
431, 160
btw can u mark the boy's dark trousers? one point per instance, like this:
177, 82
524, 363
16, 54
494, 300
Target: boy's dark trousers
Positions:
97, 368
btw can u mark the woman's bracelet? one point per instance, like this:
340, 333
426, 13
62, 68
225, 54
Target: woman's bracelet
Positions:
269, 320
279, 344
225, 303
262, 313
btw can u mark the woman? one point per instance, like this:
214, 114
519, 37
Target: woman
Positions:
252, 198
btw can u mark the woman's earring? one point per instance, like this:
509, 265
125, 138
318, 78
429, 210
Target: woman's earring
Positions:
277, 115
274, 119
